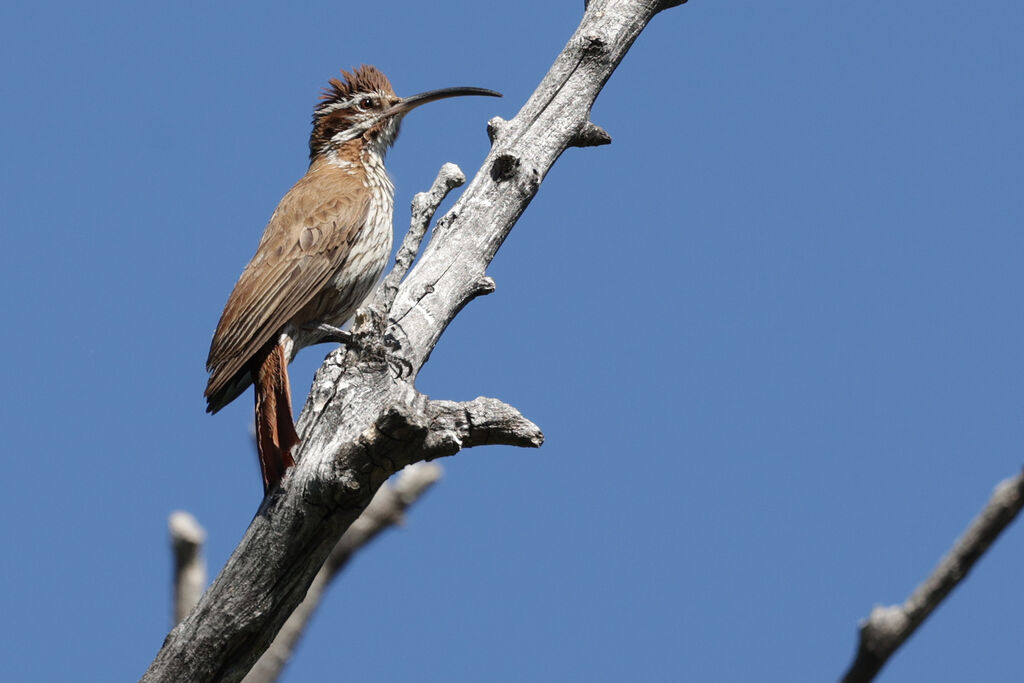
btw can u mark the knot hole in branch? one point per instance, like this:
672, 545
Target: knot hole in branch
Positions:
504, 167
594, 43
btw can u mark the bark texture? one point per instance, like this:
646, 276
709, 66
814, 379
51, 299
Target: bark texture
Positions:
387, 509
364, 418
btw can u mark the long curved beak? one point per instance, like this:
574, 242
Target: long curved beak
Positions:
407, 104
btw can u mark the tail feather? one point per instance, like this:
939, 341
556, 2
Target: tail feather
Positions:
275, 431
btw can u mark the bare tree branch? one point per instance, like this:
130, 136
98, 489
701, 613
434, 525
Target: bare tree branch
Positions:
886, 628
387, 509
424, 204
187, 538
364, 418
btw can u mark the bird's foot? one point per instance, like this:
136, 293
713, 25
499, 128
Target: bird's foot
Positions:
399, 366
367, 337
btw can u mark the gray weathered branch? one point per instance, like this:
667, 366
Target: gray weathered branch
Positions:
387, 509
886, 628
424, 204
364, 418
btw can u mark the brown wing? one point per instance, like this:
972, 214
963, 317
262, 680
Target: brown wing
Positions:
304, 243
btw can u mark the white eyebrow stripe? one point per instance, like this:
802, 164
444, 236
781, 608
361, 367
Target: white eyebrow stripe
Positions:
346, 103
335, 106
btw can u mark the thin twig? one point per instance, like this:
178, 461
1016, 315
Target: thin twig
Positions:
886, 628
424, 206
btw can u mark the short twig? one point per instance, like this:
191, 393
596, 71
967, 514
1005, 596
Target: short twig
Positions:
187, 538
424, 205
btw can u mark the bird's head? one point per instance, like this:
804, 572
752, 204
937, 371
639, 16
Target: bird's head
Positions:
364, 107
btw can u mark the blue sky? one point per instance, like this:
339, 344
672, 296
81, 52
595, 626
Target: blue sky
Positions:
772, 334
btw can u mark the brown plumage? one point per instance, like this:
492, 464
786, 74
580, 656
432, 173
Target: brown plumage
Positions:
305, 243
320, 255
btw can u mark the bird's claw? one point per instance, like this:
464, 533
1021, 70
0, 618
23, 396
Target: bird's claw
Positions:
370, 326
400, 366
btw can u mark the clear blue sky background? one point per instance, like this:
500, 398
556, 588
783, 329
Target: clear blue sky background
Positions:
772, 334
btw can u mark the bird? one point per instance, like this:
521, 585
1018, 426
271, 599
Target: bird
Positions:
320, 256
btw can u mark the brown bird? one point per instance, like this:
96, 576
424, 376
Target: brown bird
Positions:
320, 255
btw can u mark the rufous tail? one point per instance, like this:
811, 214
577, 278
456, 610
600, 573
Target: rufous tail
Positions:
275, 431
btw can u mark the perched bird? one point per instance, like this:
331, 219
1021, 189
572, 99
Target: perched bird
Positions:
320, 255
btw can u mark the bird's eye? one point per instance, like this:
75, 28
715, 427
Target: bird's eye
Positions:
367, 103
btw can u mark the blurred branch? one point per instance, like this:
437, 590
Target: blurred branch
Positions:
387, 509
187, 538
887, 628
364, 419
